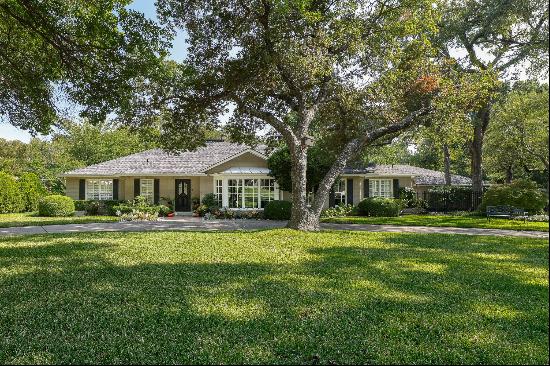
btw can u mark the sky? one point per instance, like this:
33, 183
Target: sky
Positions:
177, 53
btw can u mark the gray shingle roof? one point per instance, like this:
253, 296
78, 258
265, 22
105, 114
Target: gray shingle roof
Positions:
157, 161
421, 176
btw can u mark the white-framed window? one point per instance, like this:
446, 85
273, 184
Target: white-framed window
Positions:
147, 189
99, 189
235, 193
381, 188
340, 193
218, 192
267, 191
245, 192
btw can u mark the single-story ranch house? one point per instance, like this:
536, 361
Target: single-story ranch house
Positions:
237, 174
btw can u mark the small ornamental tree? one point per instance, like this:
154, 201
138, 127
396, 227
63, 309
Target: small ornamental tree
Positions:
31, 189
10, 196
340, 75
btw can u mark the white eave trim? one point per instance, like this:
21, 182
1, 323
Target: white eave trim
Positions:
251, 151
171, 174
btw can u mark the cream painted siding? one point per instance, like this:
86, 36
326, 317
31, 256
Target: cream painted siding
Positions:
167, 185
72, 187
247, 160
206, 186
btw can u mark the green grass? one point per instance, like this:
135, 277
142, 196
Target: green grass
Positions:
274, 296
32, 219
443, 220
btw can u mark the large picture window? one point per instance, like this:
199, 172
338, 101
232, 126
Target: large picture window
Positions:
245, 193
147, 189
380, 188
99, 189
340, 193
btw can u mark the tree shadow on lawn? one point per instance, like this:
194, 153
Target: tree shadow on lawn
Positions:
401, 302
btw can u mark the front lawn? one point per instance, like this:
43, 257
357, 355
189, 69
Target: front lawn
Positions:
443, 220
273, 296
32, 219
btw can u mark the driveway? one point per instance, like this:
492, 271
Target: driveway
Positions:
197, 224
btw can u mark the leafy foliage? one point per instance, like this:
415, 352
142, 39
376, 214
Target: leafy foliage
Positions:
338, 211
318, 164
31, 189
520, 194
518, 136
56, 205
278, 210
380, 207
10, 195
86, 53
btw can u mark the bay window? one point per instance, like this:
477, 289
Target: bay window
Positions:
267, 191
380, 188
99, 189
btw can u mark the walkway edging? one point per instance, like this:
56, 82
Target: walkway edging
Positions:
194, 224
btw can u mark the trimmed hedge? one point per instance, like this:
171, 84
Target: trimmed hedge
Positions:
10, 194
56, 205
32, 190
520, 194
278, 210
94, 207
380, 207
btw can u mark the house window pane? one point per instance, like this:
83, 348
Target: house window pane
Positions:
267, 191
250, 193
234, 191
219, 192
147, 189
380, 188
99, 189
340, 193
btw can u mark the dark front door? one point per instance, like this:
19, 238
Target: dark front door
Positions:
183, 195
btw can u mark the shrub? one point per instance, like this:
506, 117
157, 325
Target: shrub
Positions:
31, 189
209, 200
338, 211
138, 206
520, 194
380, 207
201, 210
94, 207
451, 198
10, 196
56, 205
278, 210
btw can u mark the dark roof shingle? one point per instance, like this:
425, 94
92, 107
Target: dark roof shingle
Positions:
157, 161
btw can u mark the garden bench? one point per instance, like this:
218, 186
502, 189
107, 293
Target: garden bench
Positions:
506, 212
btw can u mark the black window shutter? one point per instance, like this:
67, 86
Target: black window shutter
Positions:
136, 187
82, 189
396, 188
156, 191
366, 187
331, 198
115, 189
349, 191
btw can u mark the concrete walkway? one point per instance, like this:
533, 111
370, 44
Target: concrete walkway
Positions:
197, 224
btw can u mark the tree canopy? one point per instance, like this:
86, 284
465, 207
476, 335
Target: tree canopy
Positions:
88, 53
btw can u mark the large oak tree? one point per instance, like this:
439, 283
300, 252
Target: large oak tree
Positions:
496, 38
342, 73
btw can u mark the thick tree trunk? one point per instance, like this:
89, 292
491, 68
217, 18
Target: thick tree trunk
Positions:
302, 218
509, 174
447, 163
476, 148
